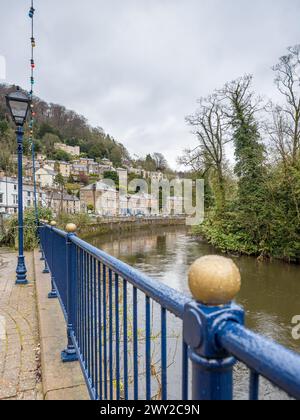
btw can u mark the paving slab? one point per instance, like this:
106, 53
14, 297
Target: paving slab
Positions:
60, 381
20, 375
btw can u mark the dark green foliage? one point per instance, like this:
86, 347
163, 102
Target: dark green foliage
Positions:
56, 124
10, 237
262, 212
113, 176
61, 155
149, 164
3, 126
250, 165
59, 180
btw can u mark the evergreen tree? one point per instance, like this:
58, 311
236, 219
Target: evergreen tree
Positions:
250, 161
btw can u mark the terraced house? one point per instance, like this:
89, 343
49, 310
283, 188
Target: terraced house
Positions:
9, 196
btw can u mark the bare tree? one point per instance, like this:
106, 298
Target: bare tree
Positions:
210, 126
240, 101
285, 134
160, 161
277, 129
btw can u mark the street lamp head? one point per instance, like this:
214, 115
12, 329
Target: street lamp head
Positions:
18, 104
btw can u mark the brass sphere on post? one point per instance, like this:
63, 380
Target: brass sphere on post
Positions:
71, 228
53, 223
214, 280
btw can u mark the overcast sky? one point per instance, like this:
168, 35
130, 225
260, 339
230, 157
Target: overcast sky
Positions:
137, 67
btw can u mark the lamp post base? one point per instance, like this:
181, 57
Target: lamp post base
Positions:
69, 356
21, 271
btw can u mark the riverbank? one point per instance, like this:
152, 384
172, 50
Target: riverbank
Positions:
128, 224
235, 244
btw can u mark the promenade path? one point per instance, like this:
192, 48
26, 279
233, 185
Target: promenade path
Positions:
20, 373
32, 336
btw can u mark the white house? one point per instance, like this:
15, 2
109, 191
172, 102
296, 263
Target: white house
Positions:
66, 203
46, 177
138, 204
174, 206
9, 196
50, 164
102, 197
73, 151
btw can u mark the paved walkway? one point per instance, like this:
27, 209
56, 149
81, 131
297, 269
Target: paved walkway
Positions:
32, 335
20, 375
60, 381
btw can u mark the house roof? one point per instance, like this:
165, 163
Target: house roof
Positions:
26, 187
48, 171
100, 186
66, 197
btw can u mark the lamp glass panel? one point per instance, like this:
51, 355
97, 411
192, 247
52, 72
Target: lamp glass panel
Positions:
18, 109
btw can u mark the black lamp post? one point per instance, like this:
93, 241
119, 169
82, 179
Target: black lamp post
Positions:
18, 105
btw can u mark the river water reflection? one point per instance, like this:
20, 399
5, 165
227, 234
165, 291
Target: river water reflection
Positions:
270, 290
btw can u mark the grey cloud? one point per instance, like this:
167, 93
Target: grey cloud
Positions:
137, 67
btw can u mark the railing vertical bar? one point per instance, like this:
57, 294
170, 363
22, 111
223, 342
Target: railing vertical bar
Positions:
96, 338
85, 310
76, 325
78, 299
148, 349
135, 345
254, 386
117, 321
164, 354
105, 331
111, 377
100, 334
125, 338
89, 359
81, 303
185, 372
93, 321
78, 294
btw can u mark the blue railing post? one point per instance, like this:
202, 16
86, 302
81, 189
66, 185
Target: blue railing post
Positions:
39, 231
214, 281
42, 236
69, 354
53, 293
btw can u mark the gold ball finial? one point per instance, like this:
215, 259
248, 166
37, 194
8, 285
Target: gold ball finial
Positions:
214, 280
71, 228
53, 223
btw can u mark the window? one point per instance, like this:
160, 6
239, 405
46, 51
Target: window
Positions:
15, 199
1, 198
28, 194
15, 188
28, 203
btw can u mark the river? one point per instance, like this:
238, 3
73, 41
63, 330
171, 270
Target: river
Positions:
270, 291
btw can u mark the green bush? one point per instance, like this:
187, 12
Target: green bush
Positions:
10, 236
80, 220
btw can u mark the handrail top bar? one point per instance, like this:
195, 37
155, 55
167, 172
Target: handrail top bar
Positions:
263, 356
165, 296
60, 232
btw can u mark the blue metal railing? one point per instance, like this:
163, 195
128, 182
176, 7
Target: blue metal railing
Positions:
113, 311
